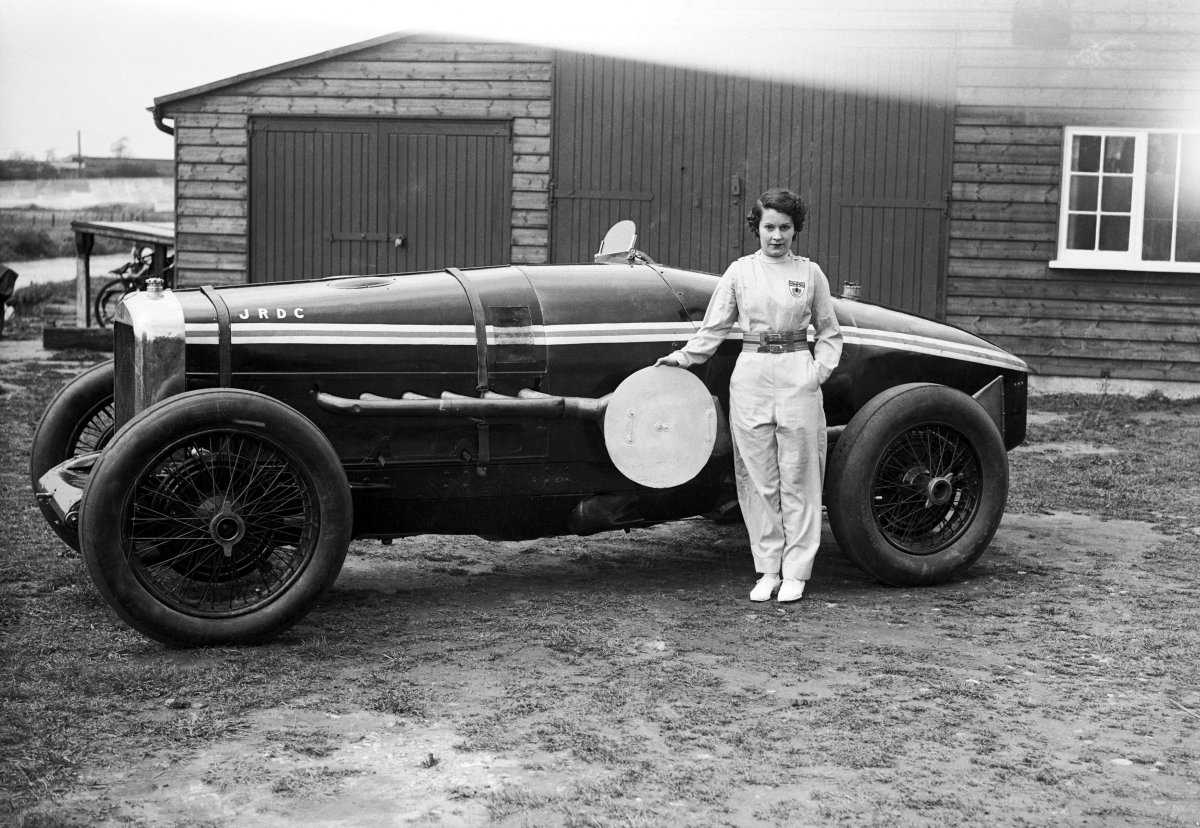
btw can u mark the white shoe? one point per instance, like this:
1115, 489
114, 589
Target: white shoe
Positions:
765, 588
790, 590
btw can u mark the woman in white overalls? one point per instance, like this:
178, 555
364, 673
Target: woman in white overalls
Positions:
775, 408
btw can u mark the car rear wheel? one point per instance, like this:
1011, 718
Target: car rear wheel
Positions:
216, 517
77, 421
917, 484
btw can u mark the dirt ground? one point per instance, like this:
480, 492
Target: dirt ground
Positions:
624, 679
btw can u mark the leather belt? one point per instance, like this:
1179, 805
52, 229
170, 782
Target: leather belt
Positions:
775, 342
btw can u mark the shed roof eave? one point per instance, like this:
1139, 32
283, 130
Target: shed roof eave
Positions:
195, 91
147, 232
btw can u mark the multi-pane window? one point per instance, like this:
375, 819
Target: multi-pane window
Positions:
1130, 200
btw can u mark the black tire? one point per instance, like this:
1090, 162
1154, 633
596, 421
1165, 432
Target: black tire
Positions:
917, 484
77, 421
107, 299
216, 517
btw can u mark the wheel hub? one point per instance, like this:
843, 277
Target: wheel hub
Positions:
227, 528
939, 490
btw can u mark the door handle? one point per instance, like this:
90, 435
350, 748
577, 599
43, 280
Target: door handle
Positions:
400, 241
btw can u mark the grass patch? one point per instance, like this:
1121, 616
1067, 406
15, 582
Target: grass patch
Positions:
1150, 476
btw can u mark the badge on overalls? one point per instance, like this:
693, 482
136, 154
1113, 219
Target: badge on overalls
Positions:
796, 287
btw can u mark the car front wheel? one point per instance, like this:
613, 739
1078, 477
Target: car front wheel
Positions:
917, 484
215, 517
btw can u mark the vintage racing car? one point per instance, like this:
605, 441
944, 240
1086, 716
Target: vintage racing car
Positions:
214, 473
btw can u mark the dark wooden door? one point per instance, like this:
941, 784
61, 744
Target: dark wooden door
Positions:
331, 196
684, 153
643, 142
888, 193
449, 193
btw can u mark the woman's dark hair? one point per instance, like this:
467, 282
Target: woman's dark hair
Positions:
785, 201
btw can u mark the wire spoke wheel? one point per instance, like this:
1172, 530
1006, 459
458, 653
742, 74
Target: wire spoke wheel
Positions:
217, 516
926, 489
220, 524
94, 430
917, 484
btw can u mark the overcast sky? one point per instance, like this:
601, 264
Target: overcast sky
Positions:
94, 67
69, 66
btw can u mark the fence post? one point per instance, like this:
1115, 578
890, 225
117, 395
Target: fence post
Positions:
84, 242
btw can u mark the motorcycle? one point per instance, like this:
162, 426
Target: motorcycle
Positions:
128, 278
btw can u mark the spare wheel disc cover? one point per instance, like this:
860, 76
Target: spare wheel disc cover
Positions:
660, 426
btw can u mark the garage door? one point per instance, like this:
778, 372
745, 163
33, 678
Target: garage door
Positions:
331, 197
685, 153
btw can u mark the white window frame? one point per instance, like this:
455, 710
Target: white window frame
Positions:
1130, 259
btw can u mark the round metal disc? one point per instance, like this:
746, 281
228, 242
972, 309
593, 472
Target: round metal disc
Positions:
660, 426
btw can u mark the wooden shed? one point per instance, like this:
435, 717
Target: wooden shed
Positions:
1026, 169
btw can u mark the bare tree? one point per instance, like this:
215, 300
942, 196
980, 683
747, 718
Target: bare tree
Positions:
120, 147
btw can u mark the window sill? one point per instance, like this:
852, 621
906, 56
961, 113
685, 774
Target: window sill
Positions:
1139, 267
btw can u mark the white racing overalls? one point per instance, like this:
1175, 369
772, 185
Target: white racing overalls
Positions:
775, 405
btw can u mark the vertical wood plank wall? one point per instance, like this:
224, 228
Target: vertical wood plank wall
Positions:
1025, 69
404, 78
685, 153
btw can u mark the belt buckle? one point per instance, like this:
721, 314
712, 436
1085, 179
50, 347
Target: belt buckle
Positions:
771, 343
